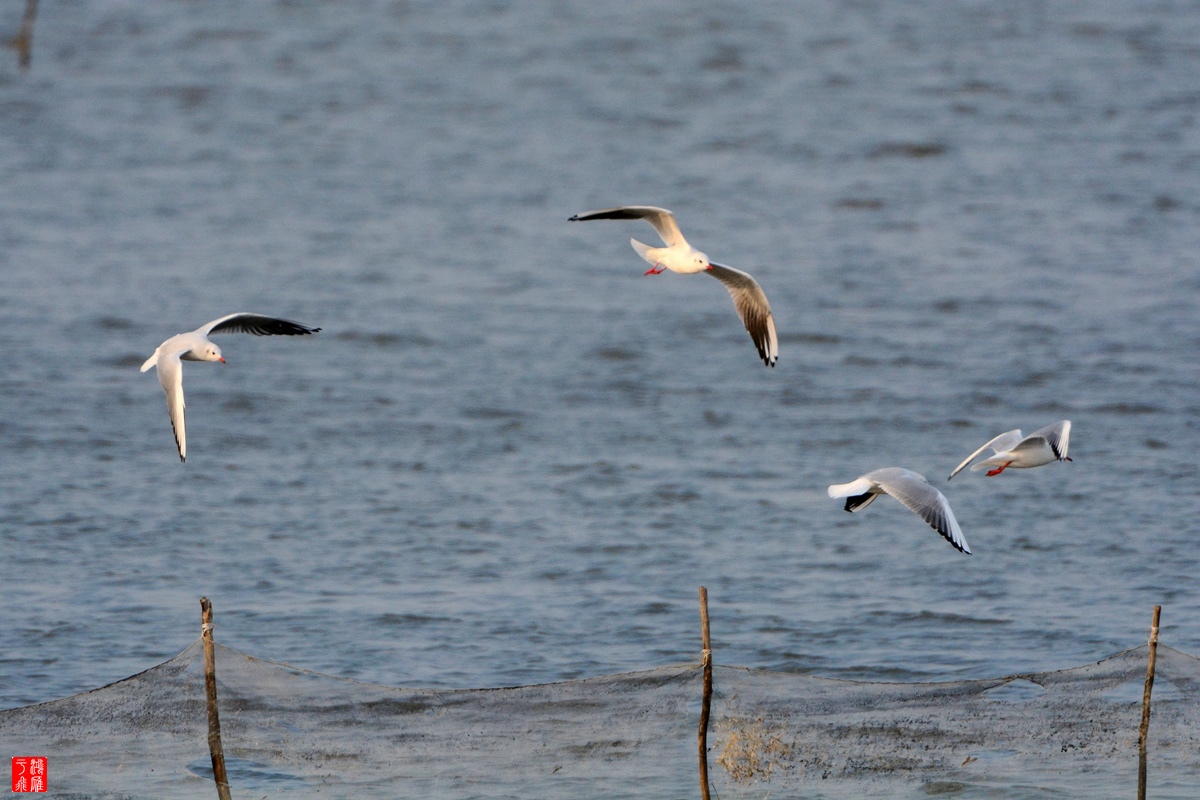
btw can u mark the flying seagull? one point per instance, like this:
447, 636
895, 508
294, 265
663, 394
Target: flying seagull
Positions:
679, 256
912, 490
1043, 446
195, 346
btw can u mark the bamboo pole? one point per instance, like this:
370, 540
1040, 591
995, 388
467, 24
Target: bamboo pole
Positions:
1144, 731
210, 689
23, 41
706, 660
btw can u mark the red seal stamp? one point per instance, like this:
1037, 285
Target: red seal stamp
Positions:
29, 773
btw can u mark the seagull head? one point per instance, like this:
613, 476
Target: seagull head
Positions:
701, 260
211, 353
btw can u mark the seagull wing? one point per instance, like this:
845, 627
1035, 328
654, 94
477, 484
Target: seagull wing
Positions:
662, 220
752, 306
1003, 442
170, 375
1057, 436
918, 496
256, 324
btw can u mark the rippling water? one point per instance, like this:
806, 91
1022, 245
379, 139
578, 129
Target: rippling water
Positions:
511, 458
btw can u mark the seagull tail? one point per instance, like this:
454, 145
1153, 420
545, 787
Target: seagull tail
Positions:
150, 362
643, 250
850, 489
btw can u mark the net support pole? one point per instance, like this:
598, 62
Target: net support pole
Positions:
23, 41
210, 689
706, 661
1144, 731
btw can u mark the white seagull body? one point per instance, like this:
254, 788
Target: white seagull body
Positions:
1041, 447
195, 346
913, 491
679, 256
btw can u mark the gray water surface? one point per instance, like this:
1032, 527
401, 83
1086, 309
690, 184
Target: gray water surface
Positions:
509, 457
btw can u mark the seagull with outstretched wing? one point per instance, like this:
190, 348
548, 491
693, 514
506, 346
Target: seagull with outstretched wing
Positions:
913, 491
679, 256
1011, 449
195, 346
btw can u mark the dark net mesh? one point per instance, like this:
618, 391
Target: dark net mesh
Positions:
288, 732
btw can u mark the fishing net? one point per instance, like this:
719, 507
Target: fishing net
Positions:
289, 732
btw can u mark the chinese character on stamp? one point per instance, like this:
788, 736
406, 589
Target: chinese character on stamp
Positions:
29, 773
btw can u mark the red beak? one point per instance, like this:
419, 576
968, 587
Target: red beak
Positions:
222, 360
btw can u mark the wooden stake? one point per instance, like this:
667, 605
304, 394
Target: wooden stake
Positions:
1144, 731
23, 41
210, 688
707, 702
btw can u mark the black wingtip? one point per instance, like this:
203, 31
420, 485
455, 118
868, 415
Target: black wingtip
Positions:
946, 535
858, 501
